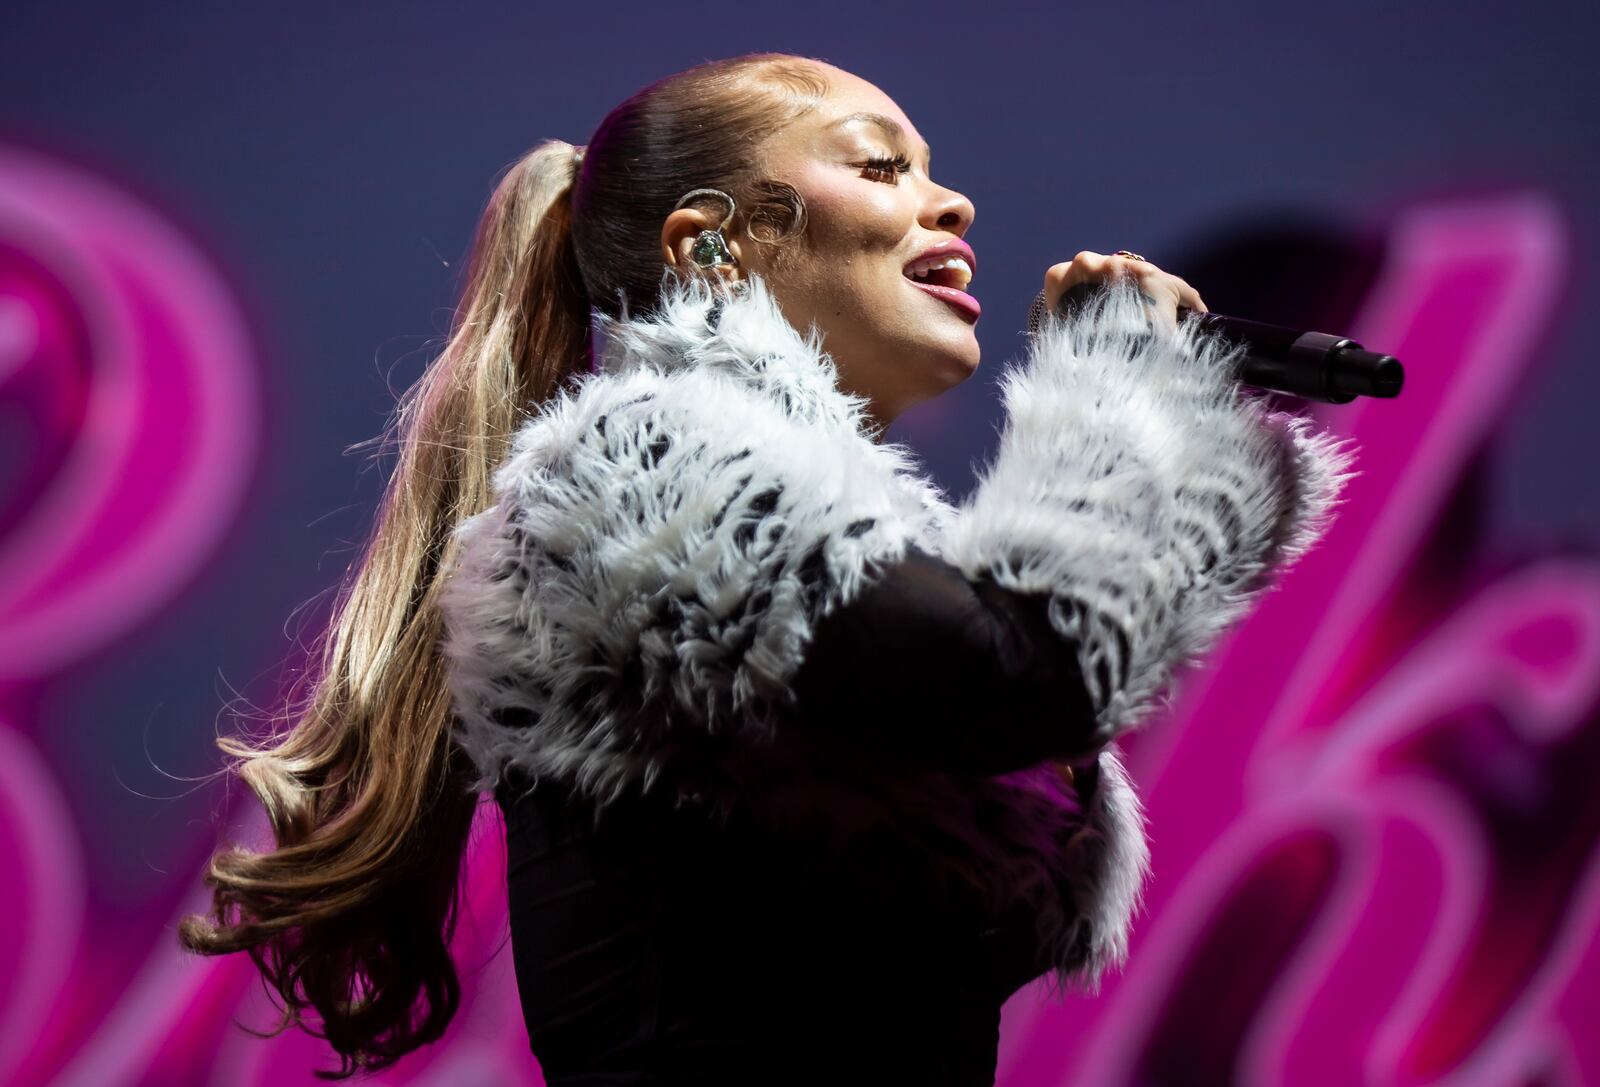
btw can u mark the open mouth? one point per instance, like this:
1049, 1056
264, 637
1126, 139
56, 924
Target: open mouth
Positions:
945, 278
953, 272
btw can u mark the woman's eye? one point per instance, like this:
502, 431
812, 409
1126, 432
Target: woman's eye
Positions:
892, 167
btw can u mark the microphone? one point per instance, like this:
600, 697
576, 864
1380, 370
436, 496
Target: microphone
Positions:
1311, 365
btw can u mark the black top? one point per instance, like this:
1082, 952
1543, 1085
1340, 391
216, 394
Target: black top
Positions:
660, 947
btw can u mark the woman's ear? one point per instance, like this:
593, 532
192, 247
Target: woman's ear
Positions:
679, 233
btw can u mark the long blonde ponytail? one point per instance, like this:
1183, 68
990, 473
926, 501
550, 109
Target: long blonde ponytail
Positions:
353, 912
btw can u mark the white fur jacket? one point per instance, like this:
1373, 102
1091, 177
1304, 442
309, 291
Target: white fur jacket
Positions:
668, 529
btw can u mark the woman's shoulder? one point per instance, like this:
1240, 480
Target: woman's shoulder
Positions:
659, 546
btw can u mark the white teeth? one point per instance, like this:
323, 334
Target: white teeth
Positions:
963, 270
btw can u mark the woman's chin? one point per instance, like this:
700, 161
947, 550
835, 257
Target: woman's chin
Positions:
957, 361
964, 349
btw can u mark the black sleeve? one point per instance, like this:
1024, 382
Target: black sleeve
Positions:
931, 668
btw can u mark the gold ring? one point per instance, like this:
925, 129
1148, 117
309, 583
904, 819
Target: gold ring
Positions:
1130, 256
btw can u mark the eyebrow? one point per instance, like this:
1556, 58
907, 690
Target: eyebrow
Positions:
888, 124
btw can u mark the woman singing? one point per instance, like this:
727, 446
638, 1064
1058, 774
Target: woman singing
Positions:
804, 768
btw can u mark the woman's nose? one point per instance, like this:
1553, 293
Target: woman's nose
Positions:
951, 211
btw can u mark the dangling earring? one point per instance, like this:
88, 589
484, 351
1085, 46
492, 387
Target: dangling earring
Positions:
710, 248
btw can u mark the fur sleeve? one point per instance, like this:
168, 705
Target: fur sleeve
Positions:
1139, 487
640, 594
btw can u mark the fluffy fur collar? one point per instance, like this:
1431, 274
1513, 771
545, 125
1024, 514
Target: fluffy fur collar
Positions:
667, 530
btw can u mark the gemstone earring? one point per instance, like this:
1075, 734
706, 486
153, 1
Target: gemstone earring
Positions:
710, 248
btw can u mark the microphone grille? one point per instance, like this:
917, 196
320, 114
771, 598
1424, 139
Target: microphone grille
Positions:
1036, 313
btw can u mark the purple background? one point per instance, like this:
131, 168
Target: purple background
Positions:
228, 238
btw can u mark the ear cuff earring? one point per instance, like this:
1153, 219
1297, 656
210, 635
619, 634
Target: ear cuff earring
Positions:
710, 248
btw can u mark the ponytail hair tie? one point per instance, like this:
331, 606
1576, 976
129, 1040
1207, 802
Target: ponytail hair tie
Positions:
577, 167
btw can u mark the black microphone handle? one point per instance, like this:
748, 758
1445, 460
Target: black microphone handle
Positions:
1310, 365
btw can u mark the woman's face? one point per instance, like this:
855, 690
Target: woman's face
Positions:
895, 343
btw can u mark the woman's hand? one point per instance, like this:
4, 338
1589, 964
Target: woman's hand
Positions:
1166, 291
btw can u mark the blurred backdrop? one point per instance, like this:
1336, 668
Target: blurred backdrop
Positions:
229, 236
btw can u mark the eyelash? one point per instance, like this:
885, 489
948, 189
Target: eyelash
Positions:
899, 165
